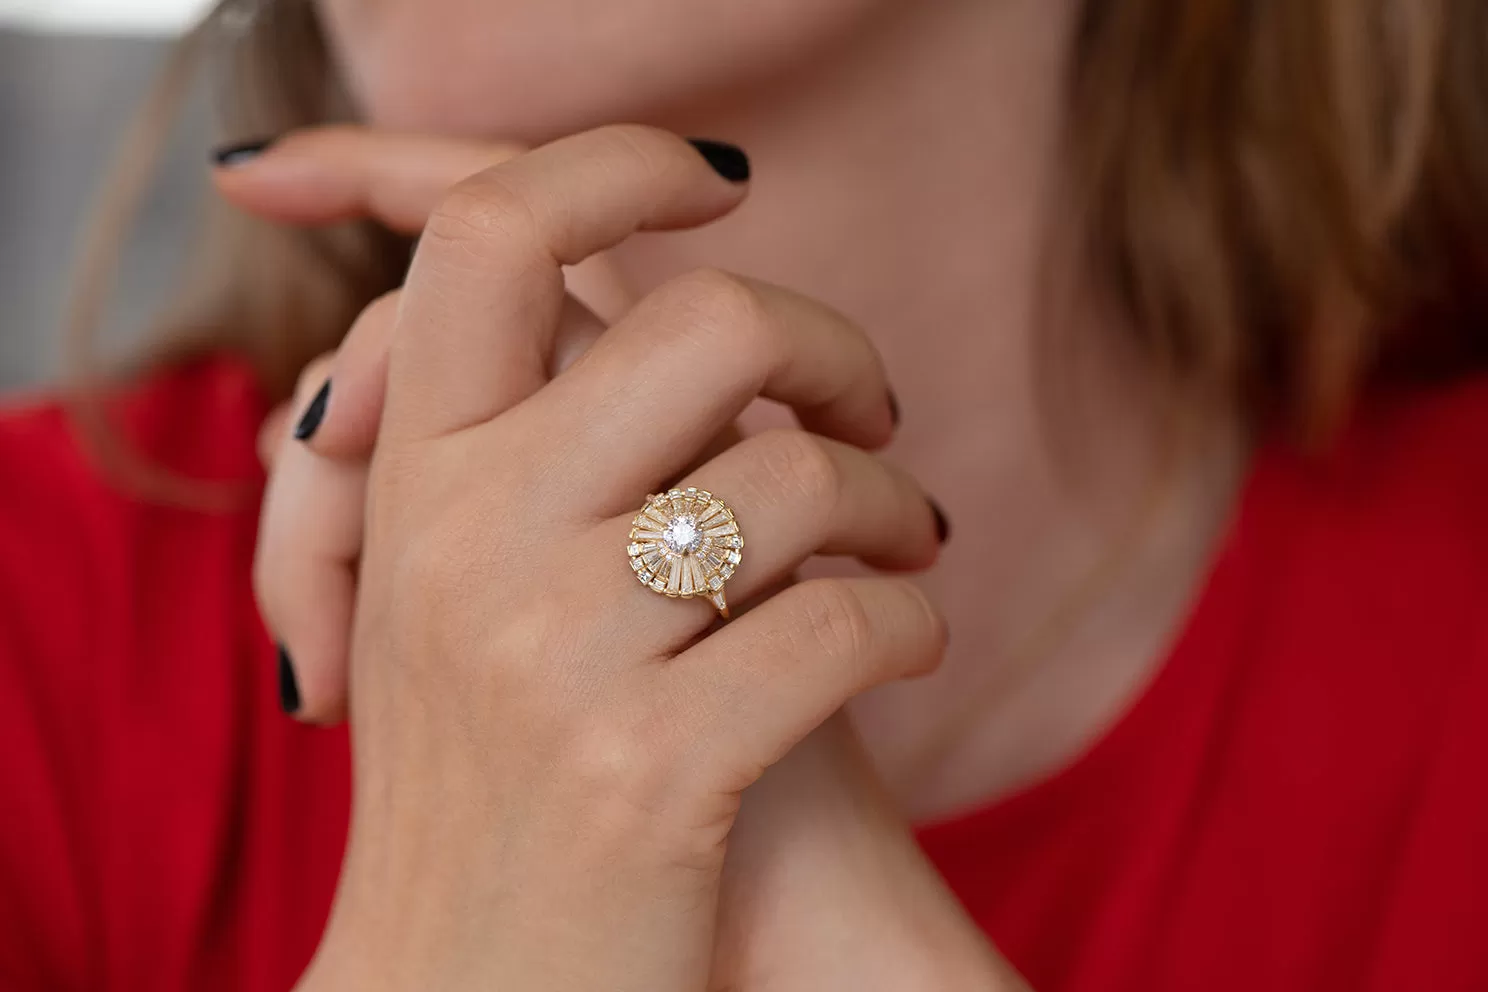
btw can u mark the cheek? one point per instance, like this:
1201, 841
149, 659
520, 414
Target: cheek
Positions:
534, 69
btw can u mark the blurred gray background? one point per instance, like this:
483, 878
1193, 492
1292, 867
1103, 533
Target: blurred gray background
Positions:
66, 96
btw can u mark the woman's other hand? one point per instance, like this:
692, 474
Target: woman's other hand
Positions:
825, 888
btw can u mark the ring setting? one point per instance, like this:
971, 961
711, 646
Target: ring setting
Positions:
685, 543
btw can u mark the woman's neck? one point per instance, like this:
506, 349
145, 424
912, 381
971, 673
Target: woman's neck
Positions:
905, 179
912, 180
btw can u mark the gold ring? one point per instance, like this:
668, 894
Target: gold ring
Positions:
686, 543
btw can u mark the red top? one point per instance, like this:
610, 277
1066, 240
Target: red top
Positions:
1296, 802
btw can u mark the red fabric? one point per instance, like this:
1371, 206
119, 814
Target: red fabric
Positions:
162, 825
1295, 802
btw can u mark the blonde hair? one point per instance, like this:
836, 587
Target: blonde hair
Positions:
1289, 196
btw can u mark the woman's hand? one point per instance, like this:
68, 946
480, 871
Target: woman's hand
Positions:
549, 757
825, 887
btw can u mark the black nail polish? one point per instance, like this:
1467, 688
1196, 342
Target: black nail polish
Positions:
309, 421
942, 525
729, 161
893, 409
289, 689
240, 153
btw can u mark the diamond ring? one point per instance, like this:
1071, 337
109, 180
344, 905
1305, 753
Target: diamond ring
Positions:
686, 543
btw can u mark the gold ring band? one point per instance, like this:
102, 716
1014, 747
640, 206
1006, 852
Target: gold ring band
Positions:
686, 543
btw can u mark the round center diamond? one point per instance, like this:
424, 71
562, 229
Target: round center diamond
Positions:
682, 535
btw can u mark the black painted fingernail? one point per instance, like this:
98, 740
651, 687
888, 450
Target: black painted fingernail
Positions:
729, 161
241, 153
893, 409
309, 421
942, 525
289, 689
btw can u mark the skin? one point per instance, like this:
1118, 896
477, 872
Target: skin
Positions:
945, 117
618, 784
840, 103
819, 860
555, 68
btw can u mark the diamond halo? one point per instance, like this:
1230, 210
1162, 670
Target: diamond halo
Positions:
686, 543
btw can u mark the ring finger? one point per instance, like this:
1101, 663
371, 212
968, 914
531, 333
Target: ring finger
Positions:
793, 495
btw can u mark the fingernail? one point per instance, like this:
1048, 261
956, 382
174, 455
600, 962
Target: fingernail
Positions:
893, 409
289, 689
729, 161
942, 525
241, 153
309, 421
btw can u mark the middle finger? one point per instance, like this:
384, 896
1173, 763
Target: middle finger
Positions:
486, 286
638, 407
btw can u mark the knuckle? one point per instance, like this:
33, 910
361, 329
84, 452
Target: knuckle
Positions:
381, 310
928, 621
630, 772
484, 215
314, 374
798, 469
439, 585
519, 655
265, 577
609, 756
370, 335
342, 131
654, 150
428, 572
271, 560
327, 136
273, 436
616, 765
720, 303
835, 619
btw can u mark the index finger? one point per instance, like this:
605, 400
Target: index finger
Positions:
485, 291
